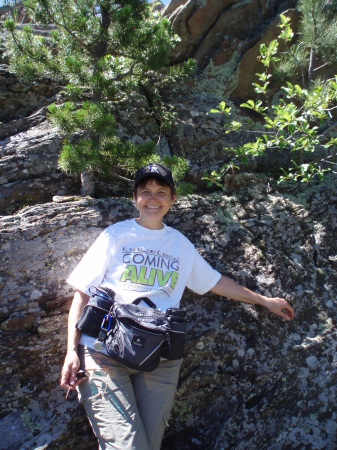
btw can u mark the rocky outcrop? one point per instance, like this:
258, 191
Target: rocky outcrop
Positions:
28, 171
218, 35
249, 380
19, 99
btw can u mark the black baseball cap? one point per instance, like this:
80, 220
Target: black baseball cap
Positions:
154, 170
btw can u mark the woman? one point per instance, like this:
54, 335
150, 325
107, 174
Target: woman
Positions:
129, 409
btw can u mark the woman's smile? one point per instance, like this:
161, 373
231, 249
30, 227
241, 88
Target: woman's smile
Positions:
153, 201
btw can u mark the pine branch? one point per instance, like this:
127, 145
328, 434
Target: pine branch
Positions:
69, 31
120, 177
321, 67
66, 28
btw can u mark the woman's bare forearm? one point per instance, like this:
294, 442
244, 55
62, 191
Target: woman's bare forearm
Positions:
228, 288
72, 362
79, 301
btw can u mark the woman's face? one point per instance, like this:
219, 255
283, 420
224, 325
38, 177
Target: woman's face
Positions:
153, 201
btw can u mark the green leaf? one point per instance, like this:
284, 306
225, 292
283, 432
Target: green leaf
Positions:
250, 104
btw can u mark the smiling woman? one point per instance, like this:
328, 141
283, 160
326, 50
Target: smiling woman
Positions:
136, 258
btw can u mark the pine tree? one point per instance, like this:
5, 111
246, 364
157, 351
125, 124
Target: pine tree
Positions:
316, 45
99, 51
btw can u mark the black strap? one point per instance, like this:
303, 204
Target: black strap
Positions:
145, 300
107, 291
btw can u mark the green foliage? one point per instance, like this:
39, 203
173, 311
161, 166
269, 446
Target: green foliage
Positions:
301, 123
179, 168
100, 51
83, 154
222, 109
304, 173
217, 178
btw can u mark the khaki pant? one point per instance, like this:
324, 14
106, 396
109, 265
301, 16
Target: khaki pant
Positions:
127, 409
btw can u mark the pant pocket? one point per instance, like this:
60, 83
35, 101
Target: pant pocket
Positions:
93, 394
159, 424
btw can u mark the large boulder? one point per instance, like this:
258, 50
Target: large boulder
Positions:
247, 376
29, 171
19, 99
219, 34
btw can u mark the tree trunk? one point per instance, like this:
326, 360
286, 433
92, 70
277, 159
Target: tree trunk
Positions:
87, 183
311, 66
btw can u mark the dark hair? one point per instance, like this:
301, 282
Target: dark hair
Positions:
159, 181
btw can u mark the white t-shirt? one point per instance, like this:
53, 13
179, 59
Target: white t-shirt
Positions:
138, 262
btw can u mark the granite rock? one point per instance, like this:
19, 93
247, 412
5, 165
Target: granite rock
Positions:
247, 376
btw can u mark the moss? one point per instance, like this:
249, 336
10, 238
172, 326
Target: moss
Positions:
219, 80
29, 422
261, 256
320, 273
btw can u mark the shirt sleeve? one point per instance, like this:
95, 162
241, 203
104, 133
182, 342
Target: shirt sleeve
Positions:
91, 269
203, 277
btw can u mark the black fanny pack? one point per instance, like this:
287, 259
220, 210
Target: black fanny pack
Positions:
135, 335
94, 312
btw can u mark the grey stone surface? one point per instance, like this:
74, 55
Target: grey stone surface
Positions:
249, 380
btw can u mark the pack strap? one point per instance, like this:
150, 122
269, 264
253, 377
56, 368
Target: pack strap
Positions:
145, 300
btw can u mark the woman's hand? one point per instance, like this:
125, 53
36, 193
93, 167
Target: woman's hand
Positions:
280, 307
72, 361
69, 370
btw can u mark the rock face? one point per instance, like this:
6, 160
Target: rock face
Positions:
249, 380
28, 170
18, 99
217, 34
